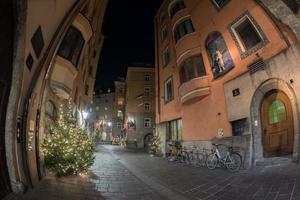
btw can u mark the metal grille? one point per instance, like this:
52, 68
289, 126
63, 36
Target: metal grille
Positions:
256, 66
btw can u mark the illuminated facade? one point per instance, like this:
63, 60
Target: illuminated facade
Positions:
56, 47
140, 105
119, 109
226, 71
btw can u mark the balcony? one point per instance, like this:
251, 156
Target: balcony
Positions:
62, 77
194, 90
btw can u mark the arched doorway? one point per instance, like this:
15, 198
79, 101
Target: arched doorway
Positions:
267, 93
277, 124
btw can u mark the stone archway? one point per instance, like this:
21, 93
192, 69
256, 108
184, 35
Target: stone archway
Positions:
256, 126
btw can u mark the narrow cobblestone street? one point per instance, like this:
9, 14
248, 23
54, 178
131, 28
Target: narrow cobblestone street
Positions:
126, 174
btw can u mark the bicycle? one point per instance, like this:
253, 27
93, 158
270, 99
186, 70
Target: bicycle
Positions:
232, 160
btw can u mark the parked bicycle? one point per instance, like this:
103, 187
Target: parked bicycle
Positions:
196, 157
232, 159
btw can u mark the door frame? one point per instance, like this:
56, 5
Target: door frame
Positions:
256, 152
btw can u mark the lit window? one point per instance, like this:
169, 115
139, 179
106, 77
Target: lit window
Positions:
147, 77
247, 34
97, 108
169, 90
166, 57
176, 8
120, 101
119, 125
192, 68
164, 33
277, 112
220, 3
147, 91
183, 29
105, 108
71, 45
147, 106
120, 114
147, 122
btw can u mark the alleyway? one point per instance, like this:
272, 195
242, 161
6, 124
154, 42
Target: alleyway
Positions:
126, 174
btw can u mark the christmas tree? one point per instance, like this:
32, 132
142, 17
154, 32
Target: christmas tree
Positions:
67, 148
154, 145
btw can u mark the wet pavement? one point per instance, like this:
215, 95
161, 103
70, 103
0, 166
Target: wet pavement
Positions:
120, 173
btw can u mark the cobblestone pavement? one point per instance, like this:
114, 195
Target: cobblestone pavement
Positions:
125, 174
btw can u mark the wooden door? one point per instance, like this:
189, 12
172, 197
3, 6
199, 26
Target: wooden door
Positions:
277, 124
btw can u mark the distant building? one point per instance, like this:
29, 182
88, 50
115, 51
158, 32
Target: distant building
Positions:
228, 71
140, 105
101, 116
119, 110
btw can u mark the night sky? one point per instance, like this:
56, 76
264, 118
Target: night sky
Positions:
129, 38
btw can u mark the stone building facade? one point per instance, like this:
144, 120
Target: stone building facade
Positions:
140, 105
227, 71
53, 57
119, 109
101, 116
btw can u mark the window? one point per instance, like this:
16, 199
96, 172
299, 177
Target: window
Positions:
239, 127
192, 68
183, 29
166, 57
169, 90
220, 3
120, 114
147, 77
277, 112
174, 130
37, 41
71, 45
146, 91
176, 8
147, 122
105, 108
97, 108
247, 34
147, 106
119, 125
120, 101
164, 33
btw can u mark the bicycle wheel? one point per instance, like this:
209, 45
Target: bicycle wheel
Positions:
211, 161
234, 162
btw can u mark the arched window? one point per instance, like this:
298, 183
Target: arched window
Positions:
176, 7
220, 58
192, 68
183, 29
71, 45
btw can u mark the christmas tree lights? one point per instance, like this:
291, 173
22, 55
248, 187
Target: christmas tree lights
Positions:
67, 148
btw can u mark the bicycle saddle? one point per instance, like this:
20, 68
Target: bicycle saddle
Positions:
217, 144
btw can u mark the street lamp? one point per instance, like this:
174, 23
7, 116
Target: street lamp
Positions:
85, 114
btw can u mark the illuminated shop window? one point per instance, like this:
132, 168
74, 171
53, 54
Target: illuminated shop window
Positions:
174, 130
